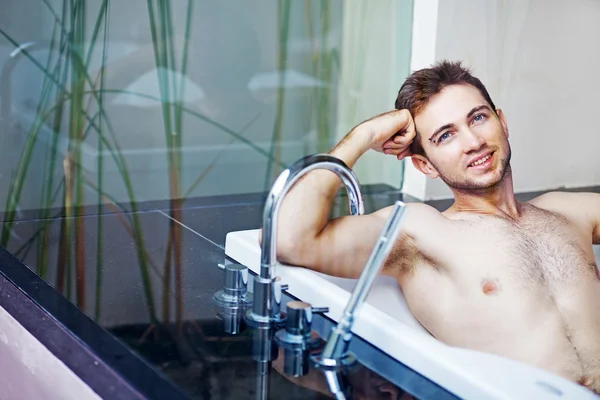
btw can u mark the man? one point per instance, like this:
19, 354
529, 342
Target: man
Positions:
489, 273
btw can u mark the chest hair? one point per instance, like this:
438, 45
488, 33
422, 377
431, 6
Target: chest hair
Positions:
544, 248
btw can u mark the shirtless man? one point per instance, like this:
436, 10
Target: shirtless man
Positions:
490, 273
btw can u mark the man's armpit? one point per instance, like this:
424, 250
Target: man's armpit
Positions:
403, 257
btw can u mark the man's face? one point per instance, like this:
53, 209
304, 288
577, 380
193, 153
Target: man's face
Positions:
465, 141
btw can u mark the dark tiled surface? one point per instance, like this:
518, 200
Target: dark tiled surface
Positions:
122, 294
214, 222
166, 205
211, 201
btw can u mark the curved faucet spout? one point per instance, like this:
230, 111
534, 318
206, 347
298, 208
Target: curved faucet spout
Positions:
284, 183
266, 307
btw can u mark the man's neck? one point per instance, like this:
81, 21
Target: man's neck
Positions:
498, 200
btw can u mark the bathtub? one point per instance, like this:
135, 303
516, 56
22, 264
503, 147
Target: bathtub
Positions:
386, 322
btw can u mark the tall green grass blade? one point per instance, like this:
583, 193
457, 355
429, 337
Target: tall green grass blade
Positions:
100, 177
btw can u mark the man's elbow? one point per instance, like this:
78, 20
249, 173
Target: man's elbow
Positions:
288, 249
289, 252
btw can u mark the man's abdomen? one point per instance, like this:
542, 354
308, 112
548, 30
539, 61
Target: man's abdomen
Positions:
529, 325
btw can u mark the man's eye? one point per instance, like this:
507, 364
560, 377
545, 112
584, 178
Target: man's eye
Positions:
443, 136
479, 117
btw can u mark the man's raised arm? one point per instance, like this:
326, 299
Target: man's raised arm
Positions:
341, 246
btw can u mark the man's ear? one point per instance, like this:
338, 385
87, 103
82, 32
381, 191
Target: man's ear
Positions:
502, 117
422, 164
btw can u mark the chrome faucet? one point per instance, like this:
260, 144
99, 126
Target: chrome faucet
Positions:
335, 357
265, 316
262, 308
267, 288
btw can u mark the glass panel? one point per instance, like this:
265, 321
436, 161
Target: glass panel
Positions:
168, 103
136, 134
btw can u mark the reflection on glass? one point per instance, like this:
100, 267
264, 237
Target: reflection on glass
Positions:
363, 383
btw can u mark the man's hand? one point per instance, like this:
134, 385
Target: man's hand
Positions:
391, 133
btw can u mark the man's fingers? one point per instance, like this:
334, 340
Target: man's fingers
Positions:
398, 151
395, 121
410, 133
405, 136
393, 145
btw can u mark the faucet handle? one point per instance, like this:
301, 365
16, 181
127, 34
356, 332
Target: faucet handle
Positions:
277, 289
299, 317
233, 297
235, 290
236, 280
296, 338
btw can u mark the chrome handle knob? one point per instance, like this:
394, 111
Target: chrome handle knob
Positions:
236, 280
234, 297
299, 317
296, 338
235, 290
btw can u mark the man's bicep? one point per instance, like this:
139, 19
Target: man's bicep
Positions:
343, 247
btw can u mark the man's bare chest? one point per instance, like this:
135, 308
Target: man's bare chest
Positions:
541, 249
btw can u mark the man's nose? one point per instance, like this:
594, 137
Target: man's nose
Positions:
472, 141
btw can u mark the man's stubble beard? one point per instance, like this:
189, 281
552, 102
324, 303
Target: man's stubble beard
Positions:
473, 186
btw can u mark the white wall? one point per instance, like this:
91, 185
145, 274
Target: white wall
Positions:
539, 61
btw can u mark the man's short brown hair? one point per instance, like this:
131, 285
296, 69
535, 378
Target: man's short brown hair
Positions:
425, 83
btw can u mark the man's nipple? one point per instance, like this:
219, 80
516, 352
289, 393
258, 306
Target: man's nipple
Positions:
490, 286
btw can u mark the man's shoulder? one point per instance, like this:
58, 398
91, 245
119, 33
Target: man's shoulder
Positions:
567, 203
412, 207
422, 222
550, 199
561, 197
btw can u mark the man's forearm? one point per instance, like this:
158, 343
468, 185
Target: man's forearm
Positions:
306, 209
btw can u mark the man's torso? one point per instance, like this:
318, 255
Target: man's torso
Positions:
526, 289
